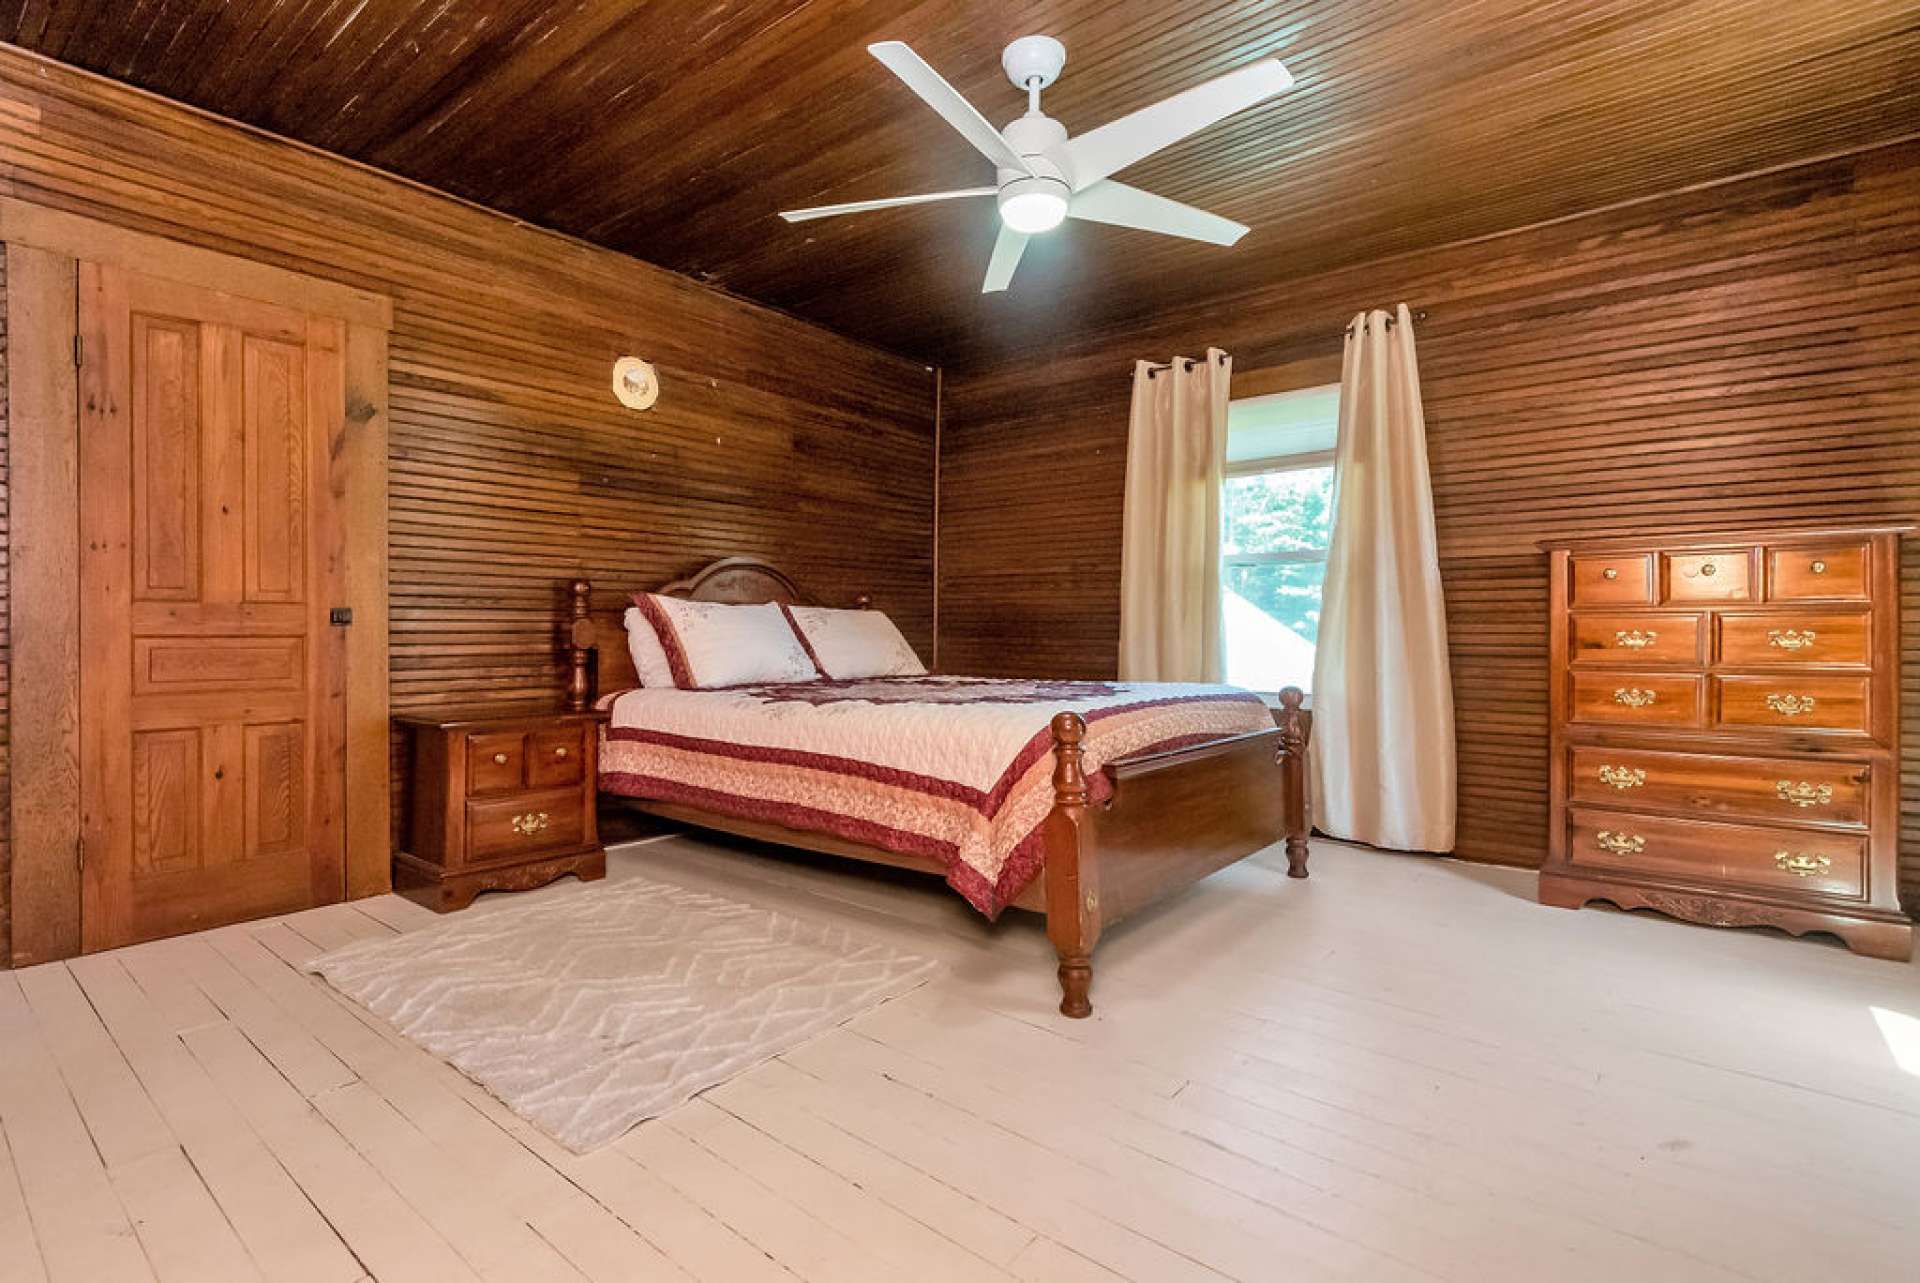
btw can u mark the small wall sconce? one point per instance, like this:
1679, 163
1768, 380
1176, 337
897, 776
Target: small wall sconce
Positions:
635, 383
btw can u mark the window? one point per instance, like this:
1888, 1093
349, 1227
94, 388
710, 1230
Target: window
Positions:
1276, 518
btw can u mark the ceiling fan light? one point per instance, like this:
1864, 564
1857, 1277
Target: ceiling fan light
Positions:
1033, 205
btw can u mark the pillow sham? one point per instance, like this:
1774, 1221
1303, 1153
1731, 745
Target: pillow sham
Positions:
847, 644
649, 660
709, 644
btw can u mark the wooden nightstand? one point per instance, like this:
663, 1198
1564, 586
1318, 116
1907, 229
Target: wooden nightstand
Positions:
503, 800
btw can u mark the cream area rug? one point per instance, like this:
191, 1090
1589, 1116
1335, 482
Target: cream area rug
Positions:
590, 1013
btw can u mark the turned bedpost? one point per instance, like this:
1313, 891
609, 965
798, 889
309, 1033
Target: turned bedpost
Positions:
1073, 887
1296, 725
579, 646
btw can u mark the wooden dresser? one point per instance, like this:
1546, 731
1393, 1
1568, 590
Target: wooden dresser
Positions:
503, 800
1725, 730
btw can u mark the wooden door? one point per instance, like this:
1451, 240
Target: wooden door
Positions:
212, 727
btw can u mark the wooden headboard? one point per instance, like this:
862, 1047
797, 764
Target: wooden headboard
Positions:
595, 637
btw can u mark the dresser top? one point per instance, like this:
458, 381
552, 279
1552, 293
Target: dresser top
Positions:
1723, 538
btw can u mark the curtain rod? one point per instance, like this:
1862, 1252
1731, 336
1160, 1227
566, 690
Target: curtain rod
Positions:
1419, 314
1154, 367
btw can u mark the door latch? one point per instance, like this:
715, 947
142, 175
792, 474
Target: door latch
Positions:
340, 616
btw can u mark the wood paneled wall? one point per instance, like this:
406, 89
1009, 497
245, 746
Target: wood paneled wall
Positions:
1742, 354
512, 468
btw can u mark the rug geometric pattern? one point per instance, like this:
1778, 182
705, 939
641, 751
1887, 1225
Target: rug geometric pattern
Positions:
589, 1013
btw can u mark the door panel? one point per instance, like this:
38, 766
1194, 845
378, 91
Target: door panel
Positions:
212, 727
166, 459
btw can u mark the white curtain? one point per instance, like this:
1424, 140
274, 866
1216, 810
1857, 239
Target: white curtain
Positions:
1383, 753
1170, 627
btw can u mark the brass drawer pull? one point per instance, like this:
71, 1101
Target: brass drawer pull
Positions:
1609, 573
1635, 638
1706, 568
1622, 777
1633, 696
1790, 705
1805, 793
1802, 864
1818, 567
1620, 843
529, 824
499, 759
1790, 638
560, 752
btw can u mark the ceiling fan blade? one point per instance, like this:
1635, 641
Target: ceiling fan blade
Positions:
1123, 206
945, 99
860, 206
1006, 256
1112, 147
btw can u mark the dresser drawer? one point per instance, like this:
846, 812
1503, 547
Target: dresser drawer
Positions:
495, 762
1793, 701
1625, 580
556, 757
1817, 572
1786, 637
1766, 788
1634, 639
1706, 576
1636, 699
1802, 860
523, 823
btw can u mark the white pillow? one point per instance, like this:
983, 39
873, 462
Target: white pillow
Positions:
846, 644
644, 645
709, 644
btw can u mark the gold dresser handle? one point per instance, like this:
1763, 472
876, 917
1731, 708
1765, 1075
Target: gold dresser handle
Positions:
1818, 567
560, 752
1633, 696
1620, 843
529, 824
1609, 573
1790, 638
1706, 568
1636, 639
1790, 705
1805, 793
1802, 864
1622, 777
499, 759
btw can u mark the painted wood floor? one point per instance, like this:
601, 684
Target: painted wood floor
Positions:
1400, 1070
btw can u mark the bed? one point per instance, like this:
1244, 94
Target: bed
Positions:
1081, 801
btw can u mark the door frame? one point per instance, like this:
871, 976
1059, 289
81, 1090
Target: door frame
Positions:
43, 249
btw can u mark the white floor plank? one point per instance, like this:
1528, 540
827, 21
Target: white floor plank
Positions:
83, 1231
20, 1256
1399, 1070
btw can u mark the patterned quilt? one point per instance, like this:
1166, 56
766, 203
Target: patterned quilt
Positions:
955, 769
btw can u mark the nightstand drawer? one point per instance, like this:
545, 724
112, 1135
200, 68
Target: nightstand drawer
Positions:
496, 762
526, 822
1748, 855
555, 757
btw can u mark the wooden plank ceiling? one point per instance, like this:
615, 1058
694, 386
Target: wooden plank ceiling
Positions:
676, 131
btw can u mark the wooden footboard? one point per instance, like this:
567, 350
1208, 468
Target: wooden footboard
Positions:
1173, 818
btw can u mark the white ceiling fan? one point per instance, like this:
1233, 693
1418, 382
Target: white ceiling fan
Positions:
1043, 176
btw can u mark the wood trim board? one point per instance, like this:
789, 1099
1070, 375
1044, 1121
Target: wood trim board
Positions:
43, 606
